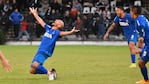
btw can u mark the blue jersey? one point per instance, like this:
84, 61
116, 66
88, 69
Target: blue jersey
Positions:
48, 41
142, 21
127, 24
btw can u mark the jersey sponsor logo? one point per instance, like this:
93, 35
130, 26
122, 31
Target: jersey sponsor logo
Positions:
123, 23
48, 35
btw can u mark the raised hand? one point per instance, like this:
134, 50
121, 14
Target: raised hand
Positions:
74, 30
33, 10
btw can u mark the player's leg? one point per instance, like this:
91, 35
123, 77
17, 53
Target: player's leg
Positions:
37, 65
140, 45
37, 68
132, 40
132, 54
142, 64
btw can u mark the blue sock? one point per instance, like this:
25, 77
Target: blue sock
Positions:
133, 58
41, 70
144, 73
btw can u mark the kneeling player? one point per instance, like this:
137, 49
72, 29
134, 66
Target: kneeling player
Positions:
47, 45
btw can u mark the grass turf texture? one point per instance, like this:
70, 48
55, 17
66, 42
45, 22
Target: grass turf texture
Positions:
74, 65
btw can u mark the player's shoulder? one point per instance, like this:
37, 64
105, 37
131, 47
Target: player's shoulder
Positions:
116, 18
48, 26
141, 18
128, 15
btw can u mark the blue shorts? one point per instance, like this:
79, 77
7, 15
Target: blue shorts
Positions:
145, 55
132, 38
39, 57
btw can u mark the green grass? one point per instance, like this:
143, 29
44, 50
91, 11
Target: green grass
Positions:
74, 65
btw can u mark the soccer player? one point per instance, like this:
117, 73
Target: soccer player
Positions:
47, 44
5, 62
127, 24
142, 25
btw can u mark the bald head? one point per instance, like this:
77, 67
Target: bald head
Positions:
58, 24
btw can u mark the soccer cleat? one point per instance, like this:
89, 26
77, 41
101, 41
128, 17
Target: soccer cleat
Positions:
133, 65
142, 82
52, 75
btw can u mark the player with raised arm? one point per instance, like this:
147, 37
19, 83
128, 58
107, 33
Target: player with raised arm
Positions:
47, 45
142, 25
127, 24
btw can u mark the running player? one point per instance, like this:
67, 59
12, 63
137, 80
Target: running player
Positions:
142, 25
47, 45
127, 24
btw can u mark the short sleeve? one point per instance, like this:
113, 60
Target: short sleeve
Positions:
47, 27
57, 33
116, 19
140, 23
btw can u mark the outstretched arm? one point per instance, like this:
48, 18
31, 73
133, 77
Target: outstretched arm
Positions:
35, 14
69, 32
109, 30
5, 62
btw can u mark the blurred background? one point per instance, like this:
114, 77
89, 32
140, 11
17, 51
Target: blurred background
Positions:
91, 17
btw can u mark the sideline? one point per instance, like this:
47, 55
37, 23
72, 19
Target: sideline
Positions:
102, 43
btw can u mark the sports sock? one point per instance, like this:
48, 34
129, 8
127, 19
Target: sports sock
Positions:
41, 70
133, 58
144, 73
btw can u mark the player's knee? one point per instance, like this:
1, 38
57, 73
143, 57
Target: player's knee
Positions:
131, 45
32, 70
141, 63
34, 67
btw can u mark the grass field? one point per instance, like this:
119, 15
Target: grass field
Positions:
74, 65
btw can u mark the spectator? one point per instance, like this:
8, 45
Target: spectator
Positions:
54, 15
4, 22
107, 16
77, 5
78, 26
67, 7
34, 3
87, 3
100, 4
48, 13
23, 30
16, 17
98, 11
10, 10
44, 8
85, 26
12, 3
119, 3
67, 20
6, 6
31, 21
56, 5
100, 26
39, 30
